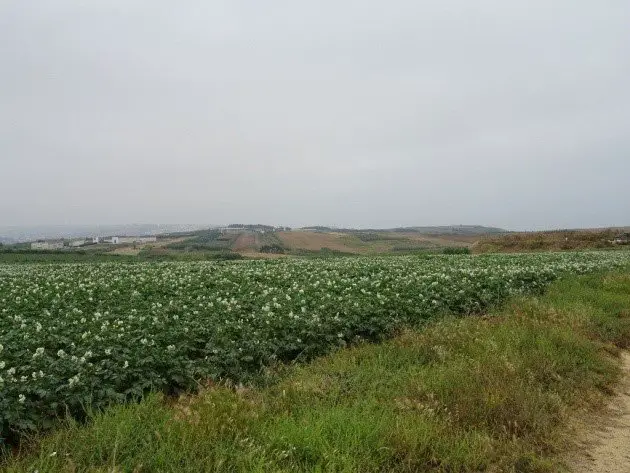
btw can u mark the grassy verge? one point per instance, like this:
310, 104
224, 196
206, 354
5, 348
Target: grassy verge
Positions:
559, 240
493, 393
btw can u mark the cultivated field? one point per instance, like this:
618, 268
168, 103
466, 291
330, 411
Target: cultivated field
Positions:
77, 335
315, 241
371, 242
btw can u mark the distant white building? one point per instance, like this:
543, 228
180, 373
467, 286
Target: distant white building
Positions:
234, 230
47, 245
133, 239
96, 239
77, 243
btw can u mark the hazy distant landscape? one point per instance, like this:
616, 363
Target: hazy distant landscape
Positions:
254, 241
20, 234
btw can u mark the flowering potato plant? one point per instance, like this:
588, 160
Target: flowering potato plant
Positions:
78, 335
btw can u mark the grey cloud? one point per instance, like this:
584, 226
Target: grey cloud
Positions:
362, 113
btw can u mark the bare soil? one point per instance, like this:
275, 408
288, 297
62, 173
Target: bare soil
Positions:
315, 241
606, 445
245, 242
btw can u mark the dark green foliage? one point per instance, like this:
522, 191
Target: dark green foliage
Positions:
376, 236
60, 256
321, 253
210, 240
275, 249
456, 250
158, 254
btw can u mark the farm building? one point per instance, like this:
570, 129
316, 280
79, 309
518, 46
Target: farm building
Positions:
47, 245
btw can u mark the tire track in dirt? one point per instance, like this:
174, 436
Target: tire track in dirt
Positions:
607, 448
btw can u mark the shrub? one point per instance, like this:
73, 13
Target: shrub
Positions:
454, 250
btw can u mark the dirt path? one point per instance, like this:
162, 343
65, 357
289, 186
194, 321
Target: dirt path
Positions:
607, 450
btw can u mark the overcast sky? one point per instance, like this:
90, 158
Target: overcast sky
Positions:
351, 113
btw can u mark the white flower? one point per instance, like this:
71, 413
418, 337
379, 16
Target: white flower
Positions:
144, 341
38, 327
38, 352
21, 398
108, 351
1, 347
61, 353
11, 371
2, 364
74, 380
126, 365
170, 347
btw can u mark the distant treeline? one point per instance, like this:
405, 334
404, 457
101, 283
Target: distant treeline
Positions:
258, 227
208, 240
440, 230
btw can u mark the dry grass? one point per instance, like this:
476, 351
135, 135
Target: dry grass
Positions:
389, 241
315, 241
547, 241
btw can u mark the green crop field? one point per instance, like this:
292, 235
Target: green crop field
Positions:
74, 336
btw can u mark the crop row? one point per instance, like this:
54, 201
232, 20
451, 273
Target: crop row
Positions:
75, 335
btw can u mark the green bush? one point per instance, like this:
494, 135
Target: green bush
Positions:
456, 250
275, 249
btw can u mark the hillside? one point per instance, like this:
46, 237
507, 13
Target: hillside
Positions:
425, 230
459, 230
557, 240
